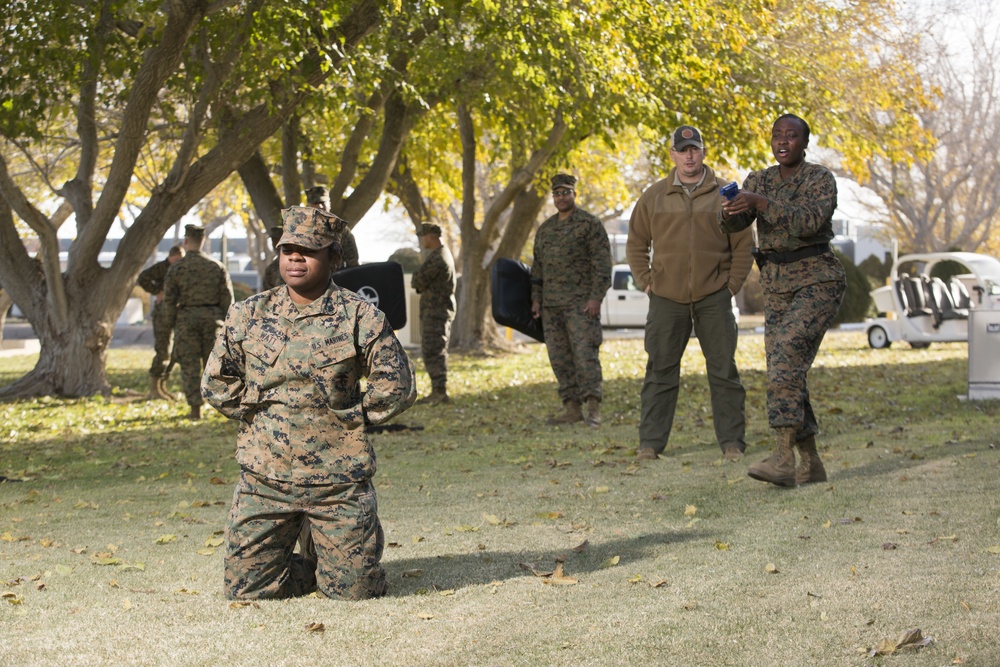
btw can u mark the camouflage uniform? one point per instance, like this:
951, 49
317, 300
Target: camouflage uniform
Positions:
350, 250
801, 297
572, 265
434, 281
197, 293
152, 280
292, 376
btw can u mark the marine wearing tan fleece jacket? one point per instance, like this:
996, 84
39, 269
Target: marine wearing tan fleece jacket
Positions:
675, 246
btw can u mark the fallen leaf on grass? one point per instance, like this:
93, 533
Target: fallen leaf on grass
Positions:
549, 515
634, 579
240, 604
212, 541
889, 546
911, 638
611, 562
658, 584
558, 578
205, 552
771, 568
412, 574
995, 549
126, 604
492, 519
218, 481
9, 537
106, 561
722, 546
944, 538
582, 546
164, 539
12, 598
186, 591
690, 510
63, 570
532, 568
424, 616
315, 627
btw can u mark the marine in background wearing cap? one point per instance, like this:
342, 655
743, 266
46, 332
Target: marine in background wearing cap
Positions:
197, 291
570, 275
152, 280
434, 281
288, 367
318, 197
691, 270
272, 274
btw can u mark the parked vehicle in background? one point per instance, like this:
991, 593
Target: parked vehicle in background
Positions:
625, 305
924, 304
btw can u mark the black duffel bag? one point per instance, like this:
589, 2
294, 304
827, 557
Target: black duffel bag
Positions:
510, 290
380, 284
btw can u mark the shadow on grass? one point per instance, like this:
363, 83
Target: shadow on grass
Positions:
480, 569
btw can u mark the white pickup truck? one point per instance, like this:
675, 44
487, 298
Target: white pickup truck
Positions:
626, 305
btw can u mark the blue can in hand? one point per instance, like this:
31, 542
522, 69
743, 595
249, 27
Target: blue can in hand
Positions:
729, 191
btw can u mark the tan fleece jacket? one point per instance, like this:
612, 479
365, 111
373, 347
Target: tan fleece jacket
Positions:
675, 245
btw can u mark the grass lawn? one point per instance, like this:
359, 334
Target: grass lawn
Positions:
110, 546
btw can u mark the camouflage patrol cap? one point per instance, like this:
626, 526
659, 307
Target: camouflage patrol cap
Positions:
567, 181
317, 195
685, 136
194, 231
429, 228
310, 228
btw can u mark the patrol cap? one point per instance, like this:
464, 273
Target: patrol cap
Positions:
685, 136
196, 232
317, 195
567, 181
310, 228
429, 228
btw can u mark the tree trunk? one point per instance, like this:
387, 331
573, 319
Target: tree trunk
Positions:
71, 362
5, 303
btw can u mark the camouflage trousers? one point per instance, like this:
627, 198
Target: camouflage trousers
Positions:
264, 525
573, 340
162, 338
668, 331
194, 337
794, 326
435, 331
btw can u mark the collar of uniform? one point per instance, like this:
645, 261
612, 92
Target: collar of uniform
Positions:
323, 305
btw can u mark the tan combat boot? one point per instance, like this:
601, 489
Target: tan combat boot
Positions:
572, 413
593, 417
166, 392
438, 395
810, 468
779, 467
156, 391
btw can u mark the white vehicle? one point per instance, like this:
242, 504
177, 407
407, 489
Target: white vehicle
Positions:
921, 308
626, 305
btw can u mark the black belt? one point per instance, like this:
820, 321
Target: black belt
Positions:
763, 258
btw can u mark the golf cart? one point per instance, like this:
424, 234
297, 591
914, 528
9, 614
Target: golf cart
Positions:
930, 298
